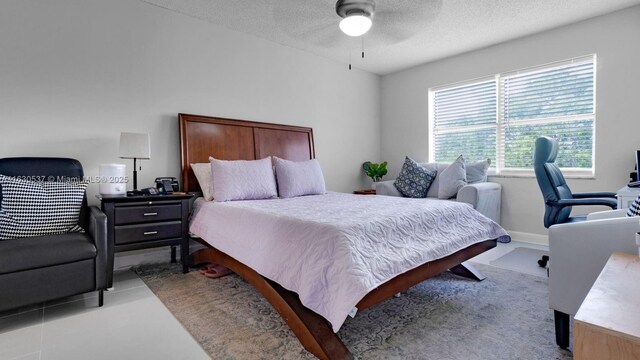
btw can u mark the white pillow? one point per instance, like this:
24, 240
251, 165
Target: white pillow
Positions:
452, 179
243, 179
203, 174
297, 178
477, 171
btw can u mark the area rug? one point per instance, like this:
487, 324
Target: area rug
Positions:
447, 317
522, 259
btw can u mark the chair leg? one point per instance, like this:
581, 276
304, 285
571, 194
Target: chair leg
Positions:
100, 297
562, 328
543, 261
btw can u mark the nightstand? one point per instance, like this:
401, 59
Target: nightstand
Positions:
141, 222
365, 192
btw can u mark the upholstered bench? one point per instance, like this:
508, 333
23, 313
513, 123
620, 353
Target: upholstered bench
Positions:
481, 195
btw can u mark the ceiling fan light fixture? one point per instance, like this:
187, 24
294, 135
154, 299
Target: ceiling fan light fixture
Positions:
355, 25
356, 16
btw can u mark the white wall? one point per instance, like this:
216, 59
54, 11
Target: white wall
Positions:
76, 73
615, 38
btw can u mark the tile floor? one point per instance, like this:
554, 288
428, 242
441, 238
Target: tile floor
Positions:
132, 324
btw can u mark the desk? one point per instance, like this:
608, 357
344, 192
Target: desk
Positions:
626, 195
607, 325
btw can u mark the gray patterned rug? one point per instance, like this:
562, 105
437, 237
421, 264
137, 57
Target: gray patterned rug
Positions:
447, 317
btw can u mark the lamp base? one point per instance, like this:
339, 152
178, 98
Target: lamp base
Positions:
135, 176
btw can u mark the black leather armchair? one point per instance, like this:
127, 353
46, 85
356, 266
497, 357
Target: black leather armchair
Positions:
43, 268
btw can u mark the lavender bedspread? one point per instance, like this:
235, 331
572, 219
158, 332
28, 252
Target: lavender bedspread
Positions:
333, 249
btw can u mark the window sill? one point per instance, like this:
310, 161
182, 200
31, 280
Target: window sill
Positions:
533, 176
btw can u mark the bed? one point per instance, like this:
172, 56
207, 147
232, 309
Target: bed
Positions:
320, 245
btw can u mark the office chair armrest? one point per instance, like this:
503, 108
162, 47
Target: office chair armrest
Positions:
98, 232
602, 194
579, 202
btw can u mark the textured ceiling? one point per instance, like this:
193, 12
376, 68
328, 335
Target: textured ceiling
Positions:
404, 32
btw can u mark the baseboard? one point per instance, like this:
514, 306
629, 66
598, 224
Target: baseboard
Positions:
529, 237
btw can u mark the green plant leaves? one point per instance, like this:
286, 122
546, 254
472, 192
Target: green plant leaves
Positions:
375, 171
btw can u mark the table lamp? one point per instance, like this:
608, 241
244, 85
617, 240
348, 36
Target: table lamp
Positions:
135, 146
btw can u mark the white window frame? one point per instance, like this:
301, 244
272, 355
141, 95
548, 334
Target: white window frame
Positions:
497, 168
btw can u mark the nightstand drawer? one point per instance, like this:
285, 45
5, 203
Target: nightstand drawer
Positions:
143, 214
146, 232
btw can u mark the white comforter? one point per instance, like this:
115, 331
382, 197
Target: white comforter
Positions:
333, 249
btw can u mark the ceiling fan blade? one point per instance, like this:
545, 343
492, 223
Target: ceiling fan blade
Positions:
320, 25
393, 22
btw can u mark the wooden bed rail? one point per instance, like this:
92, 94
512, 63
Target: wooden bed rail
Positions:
312, 330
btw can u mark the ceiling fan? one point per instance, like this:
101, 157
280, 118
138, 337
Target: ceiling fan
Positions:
317, 21
357, 16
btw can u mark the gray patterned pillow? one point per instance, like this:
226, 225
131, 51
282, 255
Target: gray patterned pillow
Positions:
414, 180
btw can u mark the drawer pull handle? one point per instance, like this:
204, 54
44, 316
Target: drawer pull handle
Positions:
150, 232
150, 214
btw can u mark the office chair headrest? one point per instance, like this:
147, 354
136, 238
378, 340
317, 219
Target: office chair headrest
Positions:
546, 150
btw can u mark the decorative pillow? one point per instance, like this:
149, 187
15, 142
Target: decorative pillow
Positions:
297, 178
243, 179
438, 168
634, 209
452, 179
39, 208
414, 180
477, 171
203, 174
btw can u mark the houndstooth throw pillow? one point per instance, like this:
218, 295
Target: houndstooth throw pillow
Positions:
39, 208
634, 209
414, 180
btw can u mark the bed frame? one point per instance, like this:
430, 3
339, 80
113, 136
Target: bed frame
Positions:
228, 139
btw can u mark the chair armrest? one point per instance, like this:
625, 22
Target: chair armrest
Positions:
485, 197
594, 195
608, 214
387, 188
578, 253
104, 257
613, 204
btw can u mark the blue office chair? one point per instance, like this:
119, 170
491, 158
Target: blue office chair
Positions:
558, 198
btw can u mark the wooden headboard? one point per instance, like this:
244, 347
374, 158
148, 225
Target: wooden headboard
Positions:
229, 139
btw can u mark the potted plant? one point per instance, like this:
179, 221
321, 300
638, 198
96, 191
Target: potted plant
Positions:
375, 171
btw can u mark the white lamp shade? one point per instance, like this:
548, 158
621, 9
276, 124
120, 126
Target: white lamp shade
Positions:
135, 145
355, 25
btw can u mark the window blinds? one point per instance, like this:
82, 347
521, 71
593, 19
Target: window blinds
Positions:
555, 101
500, 117
464, 121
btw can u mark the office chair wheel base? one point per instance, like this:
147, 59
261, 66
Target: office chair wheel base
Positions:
543, 262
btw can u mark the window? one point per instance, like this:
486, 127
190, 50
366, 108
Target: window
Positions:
500, 117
